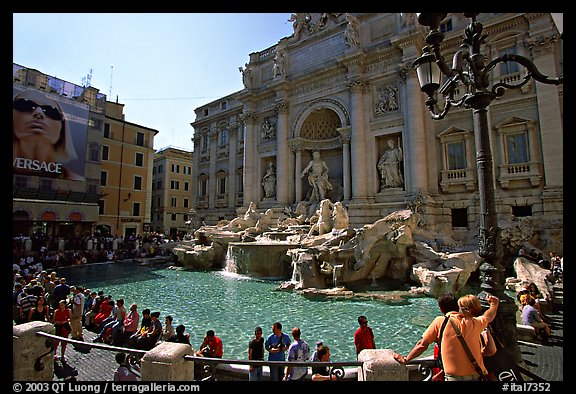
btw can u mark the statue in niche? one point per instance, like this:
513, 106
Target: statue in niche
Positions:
352, 32
268, 130
279, 67
246, 72
387, 100
269, 182
389, 166
317, 177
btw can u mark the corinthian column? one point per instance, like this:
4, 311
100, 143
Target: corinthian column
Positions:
358, 139
282, 155
249, 158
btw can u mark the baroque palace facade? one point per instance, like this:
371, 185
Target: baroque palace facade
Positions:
343, 85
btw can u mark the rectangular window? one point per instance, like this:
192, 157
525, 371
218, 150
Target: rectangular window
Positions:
160, 184
459, 217
174, 185
139, 159
446, 26
186, 186
106, 130
176, 168
136, 209
94, 153
174, 202
173, 217
103, 178
105, 152
203, 188
160, 168
222, 186
140, 139
508, 67
204, 142
223, 137
185, 202
457, 156
101, 207
517, 146
137, 183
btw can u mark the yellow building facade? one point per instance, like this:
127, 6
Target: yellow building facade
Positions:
126, 175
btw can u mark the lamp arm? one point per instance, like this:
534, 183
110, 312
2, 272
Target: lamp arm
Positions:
530, 66
440, 61
432, 107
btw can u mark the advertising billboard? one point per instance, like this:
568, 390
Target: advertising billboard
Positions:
49, 134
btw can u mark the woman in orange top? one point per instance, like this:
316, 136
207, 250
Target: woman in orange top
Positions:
457, 365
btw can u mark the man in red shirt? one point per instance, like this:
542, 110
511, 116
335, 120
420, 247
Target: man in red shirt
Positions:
211, 346
363, 337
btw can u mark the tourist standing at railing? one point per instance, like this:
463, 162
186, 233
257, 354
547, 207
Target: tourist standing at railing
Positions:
77, 307
61, 320
256, 352
298, 351
276, 344
364, 336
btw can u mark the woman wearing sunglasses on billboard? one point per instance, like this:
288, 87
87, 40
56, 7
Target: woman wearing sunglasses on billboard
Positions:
42, 144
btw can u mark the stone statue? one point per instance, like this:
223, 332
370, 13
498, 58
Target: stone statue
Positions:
249, 219
246, 75
268, 130
300, 22
340, 217
279, 67
324, 222
389, 166
296, 217
269, 182
318, 177
266, 220
351, 34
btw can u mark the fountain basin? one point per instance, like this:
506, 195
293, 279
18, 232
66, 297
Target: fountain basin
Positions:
260, 259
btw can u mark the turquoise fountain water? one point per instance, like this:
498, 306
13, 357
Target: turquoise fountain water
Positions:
234, 305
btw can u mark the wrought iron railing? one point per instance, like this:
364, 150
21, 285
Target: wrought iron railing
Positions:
209, 364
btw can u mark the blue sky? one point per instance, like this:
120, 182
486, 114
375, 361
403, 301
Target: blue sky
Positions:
161, 66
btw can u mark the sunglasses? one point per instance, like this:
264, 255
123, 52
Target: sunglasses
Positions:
25, 105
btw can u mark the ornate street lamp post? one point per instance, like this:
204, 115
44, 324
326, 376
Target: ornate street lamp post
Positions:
470, 73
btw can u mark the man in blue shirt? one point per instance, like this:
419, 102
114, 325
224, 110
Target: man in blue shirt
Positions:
276, 344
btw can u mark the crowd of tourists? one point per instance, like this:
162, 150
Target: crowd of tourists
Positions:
42, 296
32, 254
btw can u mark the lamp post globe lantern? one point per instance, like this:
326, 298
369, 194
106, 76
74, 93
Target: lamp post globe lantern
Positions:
469, 73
